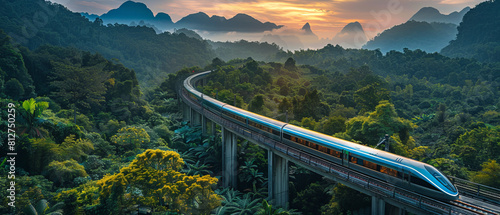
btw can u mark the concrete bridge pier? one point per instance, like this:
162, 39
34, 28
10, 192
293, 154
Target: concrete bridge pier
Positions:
229, 159
213, 130
196, 118
378, 206
204, 125
186, 112
277, 179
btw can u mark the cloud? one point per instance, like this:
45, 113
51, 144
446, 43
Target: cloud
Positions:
452, 2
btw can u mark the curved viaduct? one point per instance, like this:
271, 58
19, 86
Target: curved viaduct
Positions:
280, 154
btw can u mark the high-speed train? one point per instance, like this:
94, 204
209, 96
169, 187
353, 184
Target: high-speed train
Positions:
401, 171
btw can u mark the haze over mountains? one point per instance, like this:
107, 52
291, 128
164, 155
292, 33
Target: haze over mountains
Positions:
430, 14
135, 12
242, 26
478, 34
427, 30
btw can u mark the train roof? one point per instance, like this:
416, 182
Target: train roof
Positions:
388, 159
274, 124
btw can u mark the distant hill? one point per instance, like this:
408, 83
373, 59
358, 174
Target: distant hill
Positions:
307, 29
239, 23
430, 14
189, 33
429, 37
131, 12
478, 34
151, 55
244, 49
351, 36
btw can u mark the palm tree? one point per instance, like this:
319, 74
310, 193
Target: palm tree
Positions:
250, 174
268, 209
31, 112
243, 205
198, 169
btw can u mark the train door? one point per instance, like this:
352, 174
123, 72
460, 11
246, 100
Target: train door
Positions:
345, 160
406, 176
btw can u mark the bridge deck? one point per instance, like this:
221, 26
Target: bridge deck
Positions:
408, 200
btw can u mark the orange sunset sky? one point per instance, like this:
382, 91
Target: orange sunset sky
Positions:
326, 17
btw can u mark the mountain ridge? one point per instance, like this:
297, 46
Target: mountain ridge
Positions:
430, 14
429, 37
135, 12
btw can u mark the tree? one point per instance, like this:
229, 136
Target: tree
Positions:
257, 103
345, 199
131, 137
477, 146
334, 125
368, 97
267, 209
290, 64
384, 120
83, 87
489, 175
309, 199
31, 112
14, 89
64, 172
154, 179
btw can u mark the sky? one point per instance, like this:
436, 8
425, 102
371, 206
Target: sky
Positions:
326, 17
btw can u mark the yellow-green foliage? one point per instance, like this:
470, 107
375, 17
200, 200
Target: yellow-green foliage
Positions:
45, 150
489, 175
420, 153
65, 171
155, 175
87, 194
131, 136
384, 120
73, 148
476, 146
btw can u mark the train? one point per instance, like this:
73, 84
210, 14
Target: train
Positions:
403, 172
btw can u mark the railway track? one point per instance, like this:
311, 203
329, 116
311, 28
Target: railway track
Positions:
472, 208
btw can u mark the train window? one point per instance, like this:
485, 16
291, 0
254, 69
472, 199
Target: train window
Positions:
286, 136
441, 178
314, 146
276, 132
353, 159
416, 180
323, 149
370, 165
388, 171
335, 153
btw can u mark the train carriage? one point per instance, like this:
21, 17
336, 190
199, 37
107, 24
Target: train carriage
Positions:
403, 172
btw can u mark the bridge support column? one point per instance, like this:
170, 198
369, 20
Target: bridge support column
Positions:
277, 178
196, 118
203, 125
213, 130
378, 206
229, 161
186, 112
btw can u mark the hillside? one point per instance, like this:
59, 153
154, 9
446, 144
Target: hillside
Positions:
478, 34
430, 14
351, 36
429, 37
151, 55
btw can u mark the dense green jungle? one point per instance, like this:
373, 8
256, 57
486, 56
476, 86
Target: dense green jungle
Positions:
98, 128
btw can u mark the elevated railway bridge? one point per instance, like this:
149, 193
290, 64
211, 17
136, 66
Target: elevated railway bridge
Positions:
478, 199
